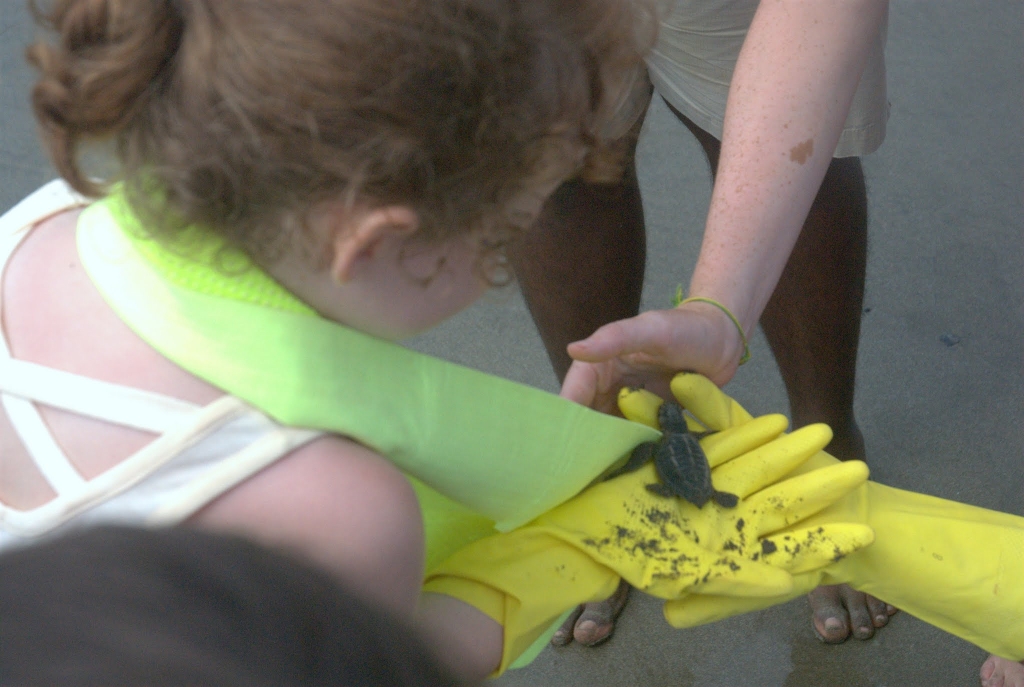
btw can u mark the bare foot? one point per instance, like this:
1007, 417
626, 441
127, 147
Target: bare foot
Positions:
593, 623
838, 611
1002, 672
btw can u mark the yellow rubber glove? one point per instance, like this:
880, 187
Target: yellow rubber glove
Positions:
664, 546
958, 567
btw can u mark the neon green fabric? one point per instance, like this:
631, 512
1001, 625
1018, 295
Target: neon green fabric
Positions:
481, 449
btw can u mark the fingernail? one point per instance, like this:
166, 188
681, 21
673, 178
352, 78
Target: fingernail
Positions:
880, 618
833, 625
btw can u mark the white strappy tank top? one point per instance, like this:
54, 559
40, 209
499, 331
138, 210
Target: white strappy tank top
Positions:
199, 453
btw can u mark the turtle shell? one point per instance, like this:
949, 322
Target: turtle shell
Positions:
679, 461
683, 468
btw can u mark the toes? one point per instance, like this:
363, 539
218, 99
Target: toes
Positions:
880, 611
1002, 672
828, 615
595, 624
597, 621
988, 669
861, 619
839, 611
563, 635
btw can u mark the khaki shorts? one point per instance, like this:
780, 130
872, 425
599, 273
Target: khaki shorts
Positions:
692, 62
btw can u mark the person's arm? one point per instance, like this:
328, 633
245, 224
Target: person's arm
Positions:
788, 100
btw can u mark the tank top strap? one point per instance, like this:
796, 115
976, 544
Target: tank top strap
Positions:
24, 384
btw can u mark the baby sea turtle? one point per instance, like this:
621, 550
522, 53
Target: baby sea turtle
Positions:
679, 461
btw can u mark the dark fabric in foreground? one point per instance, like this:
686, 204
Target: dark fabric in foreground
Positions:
120, 606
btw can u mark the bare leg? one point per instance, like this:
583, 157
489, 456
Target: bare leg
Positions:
812, 323
580, 268
1002, 672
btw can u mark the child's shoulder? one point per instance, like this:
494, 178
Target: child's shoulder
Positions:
46, 201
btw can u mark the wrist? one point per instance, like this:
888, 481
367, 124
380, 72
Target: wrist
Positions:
736, 348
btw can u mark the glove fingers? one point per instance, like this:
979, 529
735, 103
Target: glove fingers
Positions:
789, 502
767, 463
640, 405
707, 402
726, 445
735, 576
812, 548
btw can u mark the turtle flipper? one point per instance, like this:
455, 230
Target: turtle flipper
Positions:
641, 454
726, 500
661, 489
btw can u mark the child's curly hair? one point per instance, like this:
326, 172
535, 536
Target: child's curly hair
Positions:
241, 115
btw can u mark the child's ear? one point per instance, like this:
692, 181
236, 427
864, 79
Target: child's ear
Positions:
359, 239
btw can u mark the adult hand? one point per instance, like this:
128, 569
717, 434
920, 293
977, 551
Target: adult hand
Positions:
648, 350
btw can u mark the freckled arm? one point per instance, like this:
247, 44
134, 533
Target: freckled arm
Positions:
789, 98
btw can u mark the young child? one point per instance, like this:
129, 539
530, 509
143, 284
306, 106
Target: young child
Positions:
363, 160
172, 353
